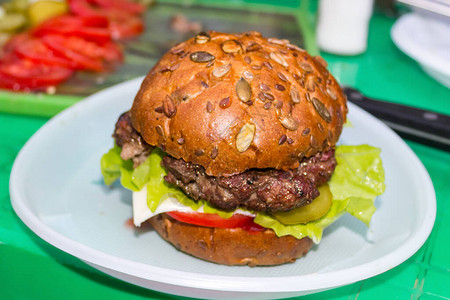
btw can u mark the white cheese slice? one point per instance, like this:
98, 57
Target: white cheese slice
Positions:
142, 213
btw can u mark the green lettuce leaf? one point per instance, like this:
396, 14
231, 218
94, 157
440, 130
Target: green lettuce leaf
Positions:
311, 229
155, 180
161, 189
110, 165
357, 180
149, 173
114, 167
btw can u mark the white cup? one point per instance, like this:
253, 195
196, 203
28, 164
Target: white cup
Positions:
343, 26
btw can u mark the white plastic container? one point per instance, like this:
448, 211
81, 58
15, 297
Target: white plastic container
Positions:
343, 26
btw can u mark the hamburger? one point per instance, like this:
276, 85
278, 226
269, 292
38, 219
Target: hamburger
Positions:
230, 151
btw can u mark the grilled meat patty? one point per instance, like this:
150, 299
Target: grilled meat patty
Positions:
133, 145
255, 189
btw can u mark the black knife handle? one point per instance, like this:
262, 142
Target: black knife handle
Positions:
427, 127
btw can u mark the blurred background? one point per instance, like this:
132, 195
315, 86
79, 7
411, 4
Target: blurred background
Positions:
394, 52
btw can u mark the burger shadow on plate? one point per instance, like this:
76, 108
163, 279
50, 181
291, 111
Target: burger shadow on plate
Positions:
125, 197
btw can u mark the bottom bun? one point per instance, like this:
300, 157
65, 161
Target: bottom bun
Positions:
231, 246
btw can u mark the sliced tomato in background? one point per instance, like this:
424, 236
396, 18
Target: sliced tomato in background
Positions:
46, 55
214, 220
84, 8
98, 7
23, 74
86, 54
69, 47
35, 50
93, 28
121, 5
10, 46
123, 25
94, 21
111, 52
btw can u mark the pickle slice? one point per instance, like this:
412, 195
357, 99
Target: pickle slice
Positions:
318, 208
11, 22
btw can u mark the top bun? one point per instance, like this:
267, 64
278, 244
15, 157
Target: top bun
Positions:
232, 102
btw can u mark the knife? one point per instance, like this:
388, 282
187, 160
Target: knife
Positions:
423, 126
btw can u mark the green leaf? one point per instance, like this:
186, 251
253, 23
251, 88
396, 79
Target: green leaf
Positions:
111, 164
114, 167
361, 208
156, 186
357, 180
298, 230
311, 229
158, 189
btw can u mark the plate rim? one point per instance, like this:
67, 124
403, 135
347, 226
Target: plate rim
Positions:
295, 283
407, 46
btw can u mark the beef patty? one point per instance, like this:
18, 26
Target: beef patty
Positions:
133, 145
255, 189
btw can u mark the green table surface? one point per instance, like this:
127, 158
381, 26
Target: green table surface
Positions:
30, 268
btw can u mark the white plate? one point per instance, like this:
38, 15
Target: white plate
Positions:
425, 38
56, 189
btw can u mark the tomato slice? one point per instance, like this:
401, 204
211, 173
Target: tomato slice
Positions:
109, 52
35, 50
98, 7
70, 47
10, 46
84, 8
93, 28
93, 21
214, 220
121, 5
24, 75
124, 25
88, 55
